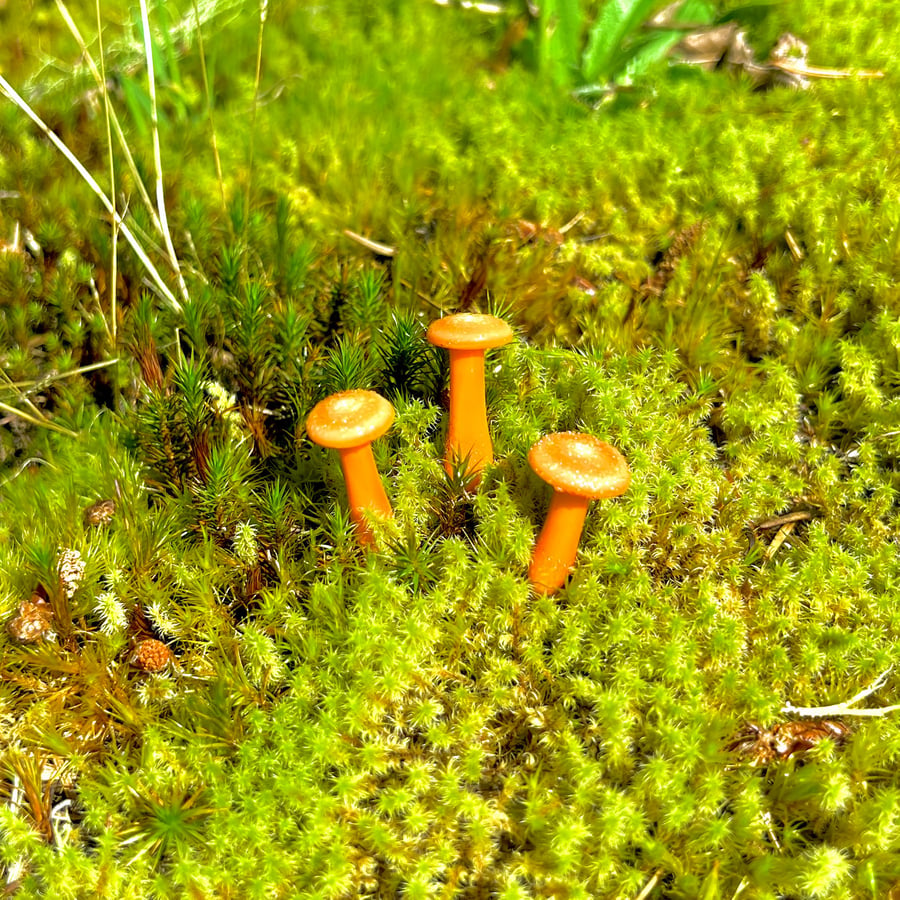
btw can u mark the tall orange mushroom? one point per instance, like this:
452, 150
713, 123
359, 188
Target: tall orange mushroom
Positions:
467, 336
348, 422
580, 468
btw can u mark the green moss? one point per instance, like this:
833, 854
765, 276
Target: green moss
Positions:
415, 722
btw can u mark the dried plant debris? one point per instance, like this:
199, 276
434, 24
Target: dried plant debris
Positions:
71, 571
665, 263
762, 746
725, 46
99, 513
34, 620
379, 248
847, 707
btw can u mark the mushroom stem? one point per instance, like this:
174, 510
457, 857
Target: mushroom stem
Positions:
364, 489
468, 438
466, 336
581, 468
556, 547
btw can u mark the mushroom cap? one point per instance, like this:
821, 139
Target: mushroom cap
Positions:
349, 419
469, 331
580, 464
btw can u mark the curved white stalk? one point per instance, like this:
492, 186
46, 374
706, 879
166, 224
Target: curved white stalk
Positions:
846, 708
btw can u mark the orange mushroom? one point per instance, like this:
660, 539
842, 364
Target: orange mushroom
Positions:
467, 336
348, 422
580, 468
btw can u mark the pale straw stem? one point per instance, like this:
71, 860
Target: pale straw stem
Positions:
157, 155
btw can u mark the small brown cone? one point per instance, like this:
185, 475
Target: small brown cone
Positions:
151, 655
100, 513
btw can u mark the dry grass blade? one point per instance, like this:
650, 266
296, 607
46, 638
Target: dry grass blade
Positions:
58, 376
38, 420
818, 72
100, 80
157, 154
14, 97
778, 521
107, 109
35, 416
374, 246
650, 885
847, 707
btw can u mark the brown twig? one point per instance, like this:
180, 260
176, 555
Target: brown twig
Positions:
799, 515
818, 72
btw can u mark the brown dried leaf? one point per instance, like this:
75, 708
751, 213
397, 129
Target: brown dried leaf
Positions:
100, 513
33, 622
726, 46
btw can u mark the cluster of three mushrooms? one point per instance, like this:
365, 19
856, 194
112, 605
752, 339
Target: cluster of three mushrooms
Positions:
580, 467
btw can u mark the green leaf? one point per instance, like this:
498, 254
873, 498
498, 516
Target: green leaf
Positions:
559, 27
171, 71
695, 12
654, 46
752, 14
646, 53
617, 22
709, 890
138, 102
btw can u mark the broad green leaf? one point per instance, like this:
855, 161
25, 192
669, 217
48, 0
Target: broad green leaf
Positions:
168, 44
560, 27
695, 12
618, 20
138, 102
654, 46
646, 53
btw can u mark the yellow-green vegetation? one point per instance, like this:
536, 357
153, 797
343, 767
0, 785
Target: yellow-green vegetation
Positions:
219, 694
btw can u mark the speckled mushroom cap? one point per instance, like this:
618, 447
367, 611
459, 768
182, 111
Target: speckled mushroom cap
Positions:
469, 331
580, 464
349, 419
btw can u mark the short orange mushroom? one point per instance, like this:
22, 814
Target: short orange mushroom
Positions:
348, 422
580, 468
467, 336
